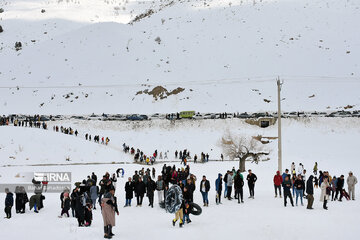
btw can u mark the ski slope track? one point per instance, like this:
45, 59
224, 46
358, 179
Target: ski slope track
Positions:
83, 57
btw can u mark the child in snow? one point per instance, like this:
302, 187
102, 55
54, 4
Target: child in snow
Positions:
9, 202
186, 213
65, 205
88, 214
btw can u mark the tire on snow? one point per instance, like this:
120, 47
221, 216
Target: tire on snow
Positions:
196, 209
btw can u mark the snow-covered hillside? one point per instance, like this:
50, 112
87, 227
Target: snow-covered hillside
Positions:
83, 56
306, 140
27, 146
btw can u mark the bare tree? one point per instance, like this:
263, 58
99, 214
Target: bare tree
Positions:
243, 149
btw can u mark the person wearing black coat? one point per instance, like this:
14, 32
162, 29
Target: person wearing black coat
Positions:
150, 188
299, 186
339, 187
94, 177
238, 184
129, 188
140, 190
21, 199
310, 192
9, 203
191, 188
79, 206
251, 178
287, 193
204, 189
73, 202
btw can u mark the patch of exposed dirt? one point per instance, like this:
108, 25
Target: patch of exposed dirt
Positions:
348, 107
160, 92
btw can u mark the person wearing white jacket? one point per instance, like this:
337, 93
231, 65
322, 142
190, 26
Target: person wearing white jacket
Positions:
351, 181
300, 169
229, 183
324, 197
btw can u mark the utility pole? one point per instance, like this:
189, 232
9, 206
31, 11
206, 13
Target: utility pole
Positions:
279, 127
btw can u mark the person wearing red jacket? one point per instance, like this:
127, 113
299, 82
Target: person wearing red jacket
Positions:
277, 183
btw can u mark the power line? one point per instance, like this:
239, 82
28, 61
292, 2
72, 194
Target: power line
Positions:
239, 80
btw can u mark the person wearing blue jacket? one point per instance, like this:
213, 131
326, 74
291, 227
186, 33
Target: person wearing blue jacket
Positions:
286, 173
218, 186
9, 202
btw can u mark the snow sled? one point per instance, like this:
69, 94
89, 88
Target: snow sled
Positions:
196, 209
173, 199
345, 194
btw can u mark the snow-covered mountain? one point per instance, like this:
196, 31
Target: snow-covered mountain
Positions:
90, 56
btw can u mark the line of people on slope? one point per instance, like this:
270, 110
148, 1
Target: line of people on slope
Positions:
23, 123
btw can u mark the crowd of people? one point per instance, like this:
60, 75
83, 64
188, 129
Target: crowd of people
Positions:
183, 155
33, 122
304, 188
91, 193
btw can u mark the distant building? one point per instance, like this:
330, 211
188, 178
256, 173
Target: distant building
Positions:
262, 121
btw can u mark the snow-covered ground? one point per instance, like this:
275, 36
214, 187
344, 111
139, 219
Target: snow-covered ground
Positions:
226, 54
83, 56
330, 142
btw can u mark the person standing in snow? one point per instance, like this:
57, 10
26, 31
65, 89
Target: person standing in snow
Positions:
79, 206
333, 185
108, 210
292, 168
94, 195
140, 190
286, 173
310, 192
300, 169
299, 186
94, 177
351, 182
129, 188
204, 189
339, 187
303, 177
218, 187
225, 183
65, 205
238, 185
160, 185
287, 193
9, 203
324, 197
277, 183
251, 178
113, 180
229, 183
190, 184
21, 199
150, 188
315, 168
